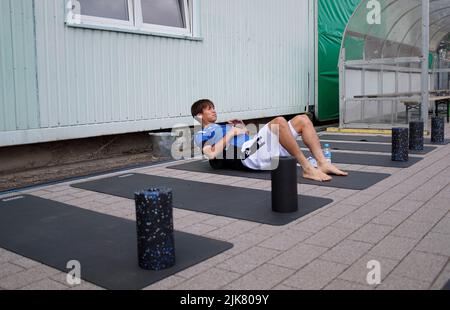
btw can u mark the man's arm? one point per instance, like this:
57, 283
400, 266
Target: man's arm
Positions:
212, 151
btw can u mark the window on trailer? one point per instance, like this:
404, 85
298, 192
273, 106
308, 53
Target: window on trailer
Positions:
107, 12
172, 16
113, 9
161, 16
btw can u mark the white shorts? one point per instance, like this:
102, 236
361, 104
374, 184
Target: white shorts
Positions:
270, 149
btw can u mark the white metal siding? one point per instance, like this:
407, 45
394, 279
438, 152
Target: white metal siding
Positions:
18, 89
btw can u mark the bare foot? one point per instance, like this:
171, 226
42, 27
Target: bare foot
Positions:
330, 169
316, 175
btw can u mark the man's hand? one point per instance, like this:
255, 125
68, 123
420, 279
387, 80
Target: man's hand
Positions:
239, 124
237, 131
236, 122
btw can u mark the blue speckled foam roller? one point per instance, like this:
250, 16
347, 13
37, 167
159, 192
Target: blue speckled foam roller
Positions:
437, 130
416, 140
155, 236
400, 144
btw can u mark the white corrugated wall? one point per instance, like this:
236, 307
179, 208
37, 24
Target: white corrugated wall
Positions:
253, 62
19, 108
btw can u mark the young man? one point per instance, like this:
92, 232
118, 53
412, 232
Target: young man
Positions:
258, 152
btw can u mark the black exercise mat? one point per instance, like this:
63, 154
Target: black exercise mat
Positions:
370, 160
446, 286
366, 147
54, 233
356, 180
228, 201
375, 139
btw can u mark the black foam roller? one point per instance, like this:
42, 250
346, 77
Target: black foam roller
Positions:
416, 140
400, 144
284, 186
155, 234
438, 130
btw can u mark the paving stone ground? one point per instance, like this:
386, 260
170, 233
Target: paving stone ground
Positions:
402, 222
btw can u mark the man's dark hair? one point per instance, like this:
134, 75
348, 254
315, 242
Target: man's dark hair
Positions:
199, 106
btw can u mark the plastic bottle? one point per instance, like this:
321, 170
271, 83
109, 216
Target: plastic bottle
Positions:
327, 152
313, 161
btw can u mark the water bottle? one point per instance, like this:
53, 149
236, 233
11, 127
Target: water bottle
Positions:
327, 153
313, 161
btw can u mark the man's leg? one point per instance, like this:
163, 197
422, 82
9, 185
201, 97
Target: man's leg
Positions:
303, 125
291, 145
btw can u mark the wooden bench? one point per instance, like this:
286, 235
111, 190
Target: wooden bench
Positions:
440, 98
415, 104
442, 101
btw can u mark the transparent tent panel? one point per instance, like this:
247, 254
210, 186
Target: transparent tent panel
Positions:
399, 33
381, 62
387, 112
439, 22
394, 36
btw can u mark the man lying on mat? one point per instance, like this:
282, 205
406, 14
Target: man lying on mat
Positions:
257, 153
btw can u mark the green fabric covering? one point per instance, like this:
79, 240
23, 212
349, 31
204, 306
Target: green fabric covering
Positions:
333, 18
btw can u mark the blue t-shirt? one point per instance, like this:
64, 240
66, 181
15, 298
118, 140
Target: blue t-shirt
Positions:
214, 133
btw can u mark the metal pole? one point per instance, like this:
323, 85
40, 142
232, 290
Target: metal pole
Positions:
316, 59
342, 89
425, 53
